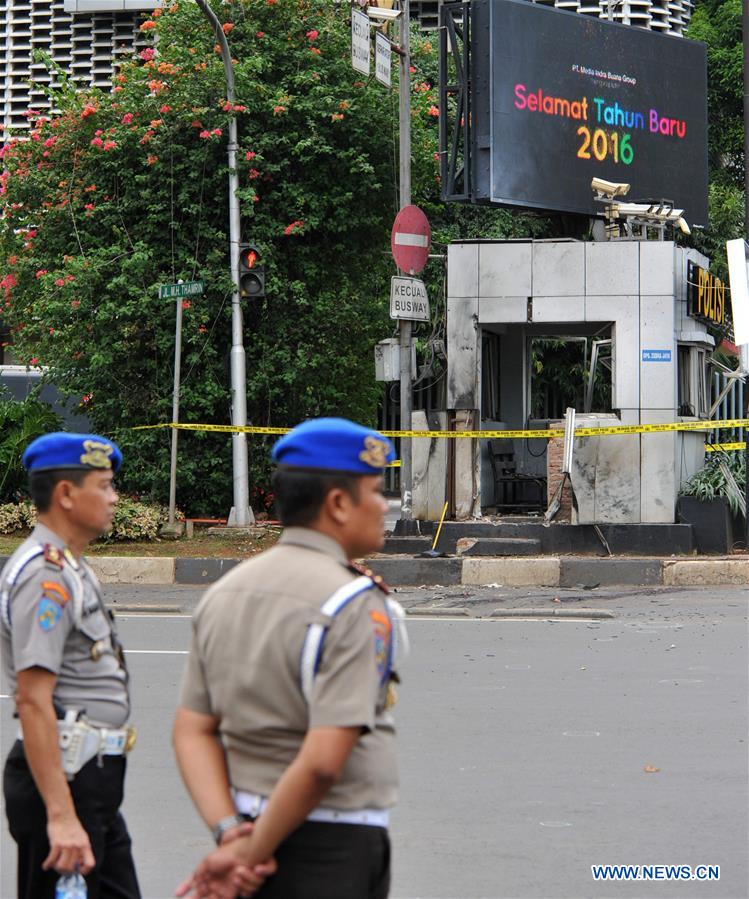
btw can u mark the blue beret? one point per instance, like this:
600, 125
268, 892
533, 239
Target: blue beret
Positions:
62, 450
334, 444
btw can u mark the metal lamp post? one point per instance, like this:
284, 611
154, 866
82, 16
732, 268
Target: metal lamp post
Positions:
241, 514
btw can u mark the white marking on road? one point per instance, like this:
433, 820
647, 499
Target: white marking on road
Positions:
125, 615
157, 652
555, 823
581, 733
518, 667
499, 620
680, 680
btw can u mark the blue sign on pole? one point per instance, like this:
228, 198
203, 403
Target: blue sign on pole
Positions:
656, 355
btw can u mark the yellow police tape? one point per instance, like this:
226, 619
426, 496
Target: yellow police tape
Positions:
485, 435
724, 447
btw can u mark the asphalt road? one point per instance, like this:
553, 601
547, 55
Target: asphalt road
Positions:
523, 748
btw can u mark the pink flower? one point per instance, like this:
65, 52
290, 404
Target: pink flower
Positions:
250, 155
127, 118
152, 160
59, 282
98, 132
109, 144
312, 35
205, 134
315, 50
217, 132
185, 304
51, 330
165, 108
254, 173
148, 54
294, 226
434, 111
89, 206
97, 142
88, 109
41, 273
74, 304
34, 360
259, 34
50, 142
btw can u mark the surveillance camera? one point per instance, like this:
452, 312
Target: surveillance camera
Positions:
375, 12
611, 188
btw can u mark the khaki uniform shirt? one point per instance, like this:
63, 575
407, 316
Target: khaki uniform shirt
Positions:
244, 667
87, 659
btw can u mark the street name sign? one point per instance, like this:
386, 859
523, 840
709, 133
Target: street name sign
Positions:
410, 240
177, 291
408, 299
382, 59
360, 41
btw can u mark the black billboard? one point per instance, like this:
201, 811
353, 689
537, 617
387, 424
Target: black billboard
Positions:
558, 98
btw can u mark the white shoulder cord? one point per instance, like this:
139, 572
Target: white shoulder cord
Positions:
313, 641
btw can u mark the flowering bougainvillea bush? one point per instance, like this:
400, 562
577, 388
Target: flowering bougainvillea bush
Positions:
121, 192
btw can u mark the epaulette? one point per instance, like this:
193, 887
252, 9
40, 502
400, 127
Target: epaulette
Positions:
367, 572
53, 555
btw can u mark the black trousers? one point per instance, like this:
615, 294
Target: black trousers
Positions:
97, 794
331, 861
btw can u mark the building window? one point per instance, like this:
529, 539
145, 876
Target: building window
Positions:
692, 373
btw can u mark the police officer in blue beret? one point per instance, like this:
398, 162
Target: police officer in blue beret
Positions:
284, 717
64, 777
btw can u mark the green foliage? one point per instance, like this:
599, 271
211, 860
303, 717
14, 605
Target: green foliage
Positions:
710, 481
718, 24
17, 517
122, 192
20, 422
132, 520
560, 370
135, 521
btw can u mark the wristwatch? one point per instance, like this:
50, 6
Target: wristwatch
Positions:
219, 829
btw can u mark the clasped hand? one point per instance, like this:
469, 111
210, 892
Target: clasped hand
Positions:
222, 875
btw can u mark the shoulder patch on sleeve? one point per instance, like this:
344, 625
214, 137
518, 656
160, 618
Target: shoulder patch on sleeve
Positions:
53, 555
55, 591
48, 614
382, 640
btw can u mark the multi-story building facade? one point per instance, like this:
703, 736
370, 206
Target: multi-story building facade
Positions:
84, 37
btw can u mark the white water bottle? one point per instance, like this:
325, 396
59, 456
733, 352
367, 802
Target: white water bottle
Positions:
71, 886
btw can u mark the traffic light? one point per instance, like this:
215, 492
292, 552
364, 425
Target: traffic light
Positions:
251, 271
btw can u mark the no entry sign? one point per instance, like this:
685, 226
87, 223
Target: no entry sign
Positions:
410, 240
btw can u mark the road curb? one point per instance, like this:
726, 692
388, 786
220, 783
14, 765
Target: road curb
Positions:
411, 571
551, 613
